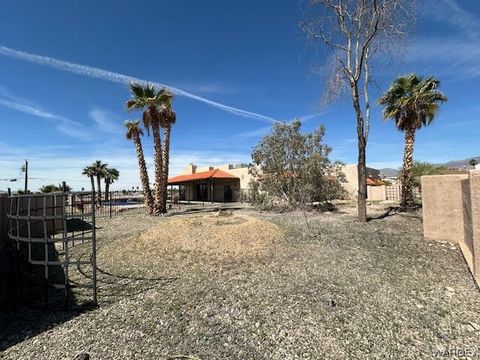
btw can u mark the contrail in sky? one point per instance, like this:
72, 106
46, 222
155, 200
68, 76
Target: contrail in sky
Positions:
102, 74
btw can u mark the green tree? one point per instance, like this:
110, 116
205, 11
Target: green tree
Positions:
294, 167
111, 175
134, 132
420, 168
412, 102
147, 99
473, 162
50, 188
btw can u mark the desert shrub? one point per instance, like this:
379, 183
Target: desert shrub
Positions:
292, 169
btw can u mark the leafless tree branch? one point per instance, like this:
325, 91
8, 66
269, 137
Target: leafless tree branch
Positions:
356, 32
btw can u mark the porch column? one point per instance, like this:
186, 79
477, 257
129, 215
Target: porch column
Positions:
211, 191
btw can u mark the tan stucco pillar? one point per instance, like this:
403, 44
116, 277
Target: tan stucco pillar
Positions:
442, 207
475, 211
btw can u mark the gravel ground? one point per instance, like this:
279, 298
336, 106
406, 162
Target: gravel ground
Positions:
334, 289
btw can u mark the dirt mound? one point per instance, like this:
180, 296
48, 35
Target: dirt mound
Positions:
217, 237
238, 235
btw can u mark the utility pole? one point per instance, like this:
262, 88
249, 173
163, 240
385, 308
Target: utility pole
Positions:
26, 177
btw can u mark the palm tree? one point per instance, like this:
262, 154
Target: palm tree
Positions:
413, 102
90, 172
147, 98
167, 119
134, 132
111, 175
99, 169
51, 188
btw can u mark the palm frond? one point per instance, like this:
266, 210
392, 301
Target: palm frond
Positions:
412, 101
137, 90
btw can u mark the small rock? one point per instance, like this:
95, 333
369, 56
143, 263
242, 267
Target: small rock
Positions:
473, 326
82, 356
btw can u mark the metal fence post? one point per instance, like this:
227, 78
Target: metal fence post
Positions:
94, 255
110, 204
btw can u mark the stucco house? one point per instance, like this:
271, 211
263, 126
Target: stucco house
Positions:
351, 177
225, 182
216, 184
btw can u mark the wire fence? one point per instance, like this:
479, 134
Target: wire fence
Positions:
112, 203
44, 228
394, 192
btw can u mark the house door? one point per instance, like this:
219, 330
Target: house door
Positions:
228, 193
202, 192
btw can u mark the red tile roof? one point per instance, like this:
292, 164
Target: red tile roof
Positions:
211, 174
375, 182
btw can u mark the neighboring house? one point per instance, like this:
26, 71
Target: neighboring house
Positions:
351, 177
219, 184
226, 182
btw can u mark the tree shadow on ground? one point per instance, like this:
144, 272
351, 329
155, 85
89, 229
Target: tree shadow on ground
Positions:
23, 322
396, 211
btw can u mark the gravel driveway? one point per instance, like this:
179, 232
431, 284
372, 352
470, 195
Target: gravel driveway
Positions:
335, 289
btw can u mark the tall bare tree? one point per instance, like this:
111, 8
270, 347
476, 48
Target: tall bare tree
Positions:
354, 32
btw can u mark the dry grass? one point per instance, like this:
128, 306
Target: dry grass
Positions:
208, 237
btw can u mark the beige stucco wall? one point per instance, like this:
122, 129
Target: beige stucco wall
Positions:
474, 190
451, 212
243, 175
351, 177
442, 207
376, 193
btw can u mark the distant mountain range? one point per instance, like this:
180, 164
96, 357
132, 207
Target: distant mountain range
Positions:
388, 172
455, 164
461, 164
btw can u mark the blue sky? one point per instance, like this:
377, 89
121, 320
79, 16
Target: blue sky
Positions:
249, 55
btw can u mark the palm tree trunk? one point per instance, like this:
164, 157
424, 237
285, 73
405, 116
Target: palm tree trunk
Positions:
99, 190
147, 193
407, 179
165, 162
93, 183
107, 189
157, 159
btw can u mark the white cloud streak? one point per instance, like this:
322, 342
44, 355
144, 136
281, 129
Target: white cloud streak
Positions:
65, 125
450, 12
455, 55
102, 74
107, 121
267, 129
